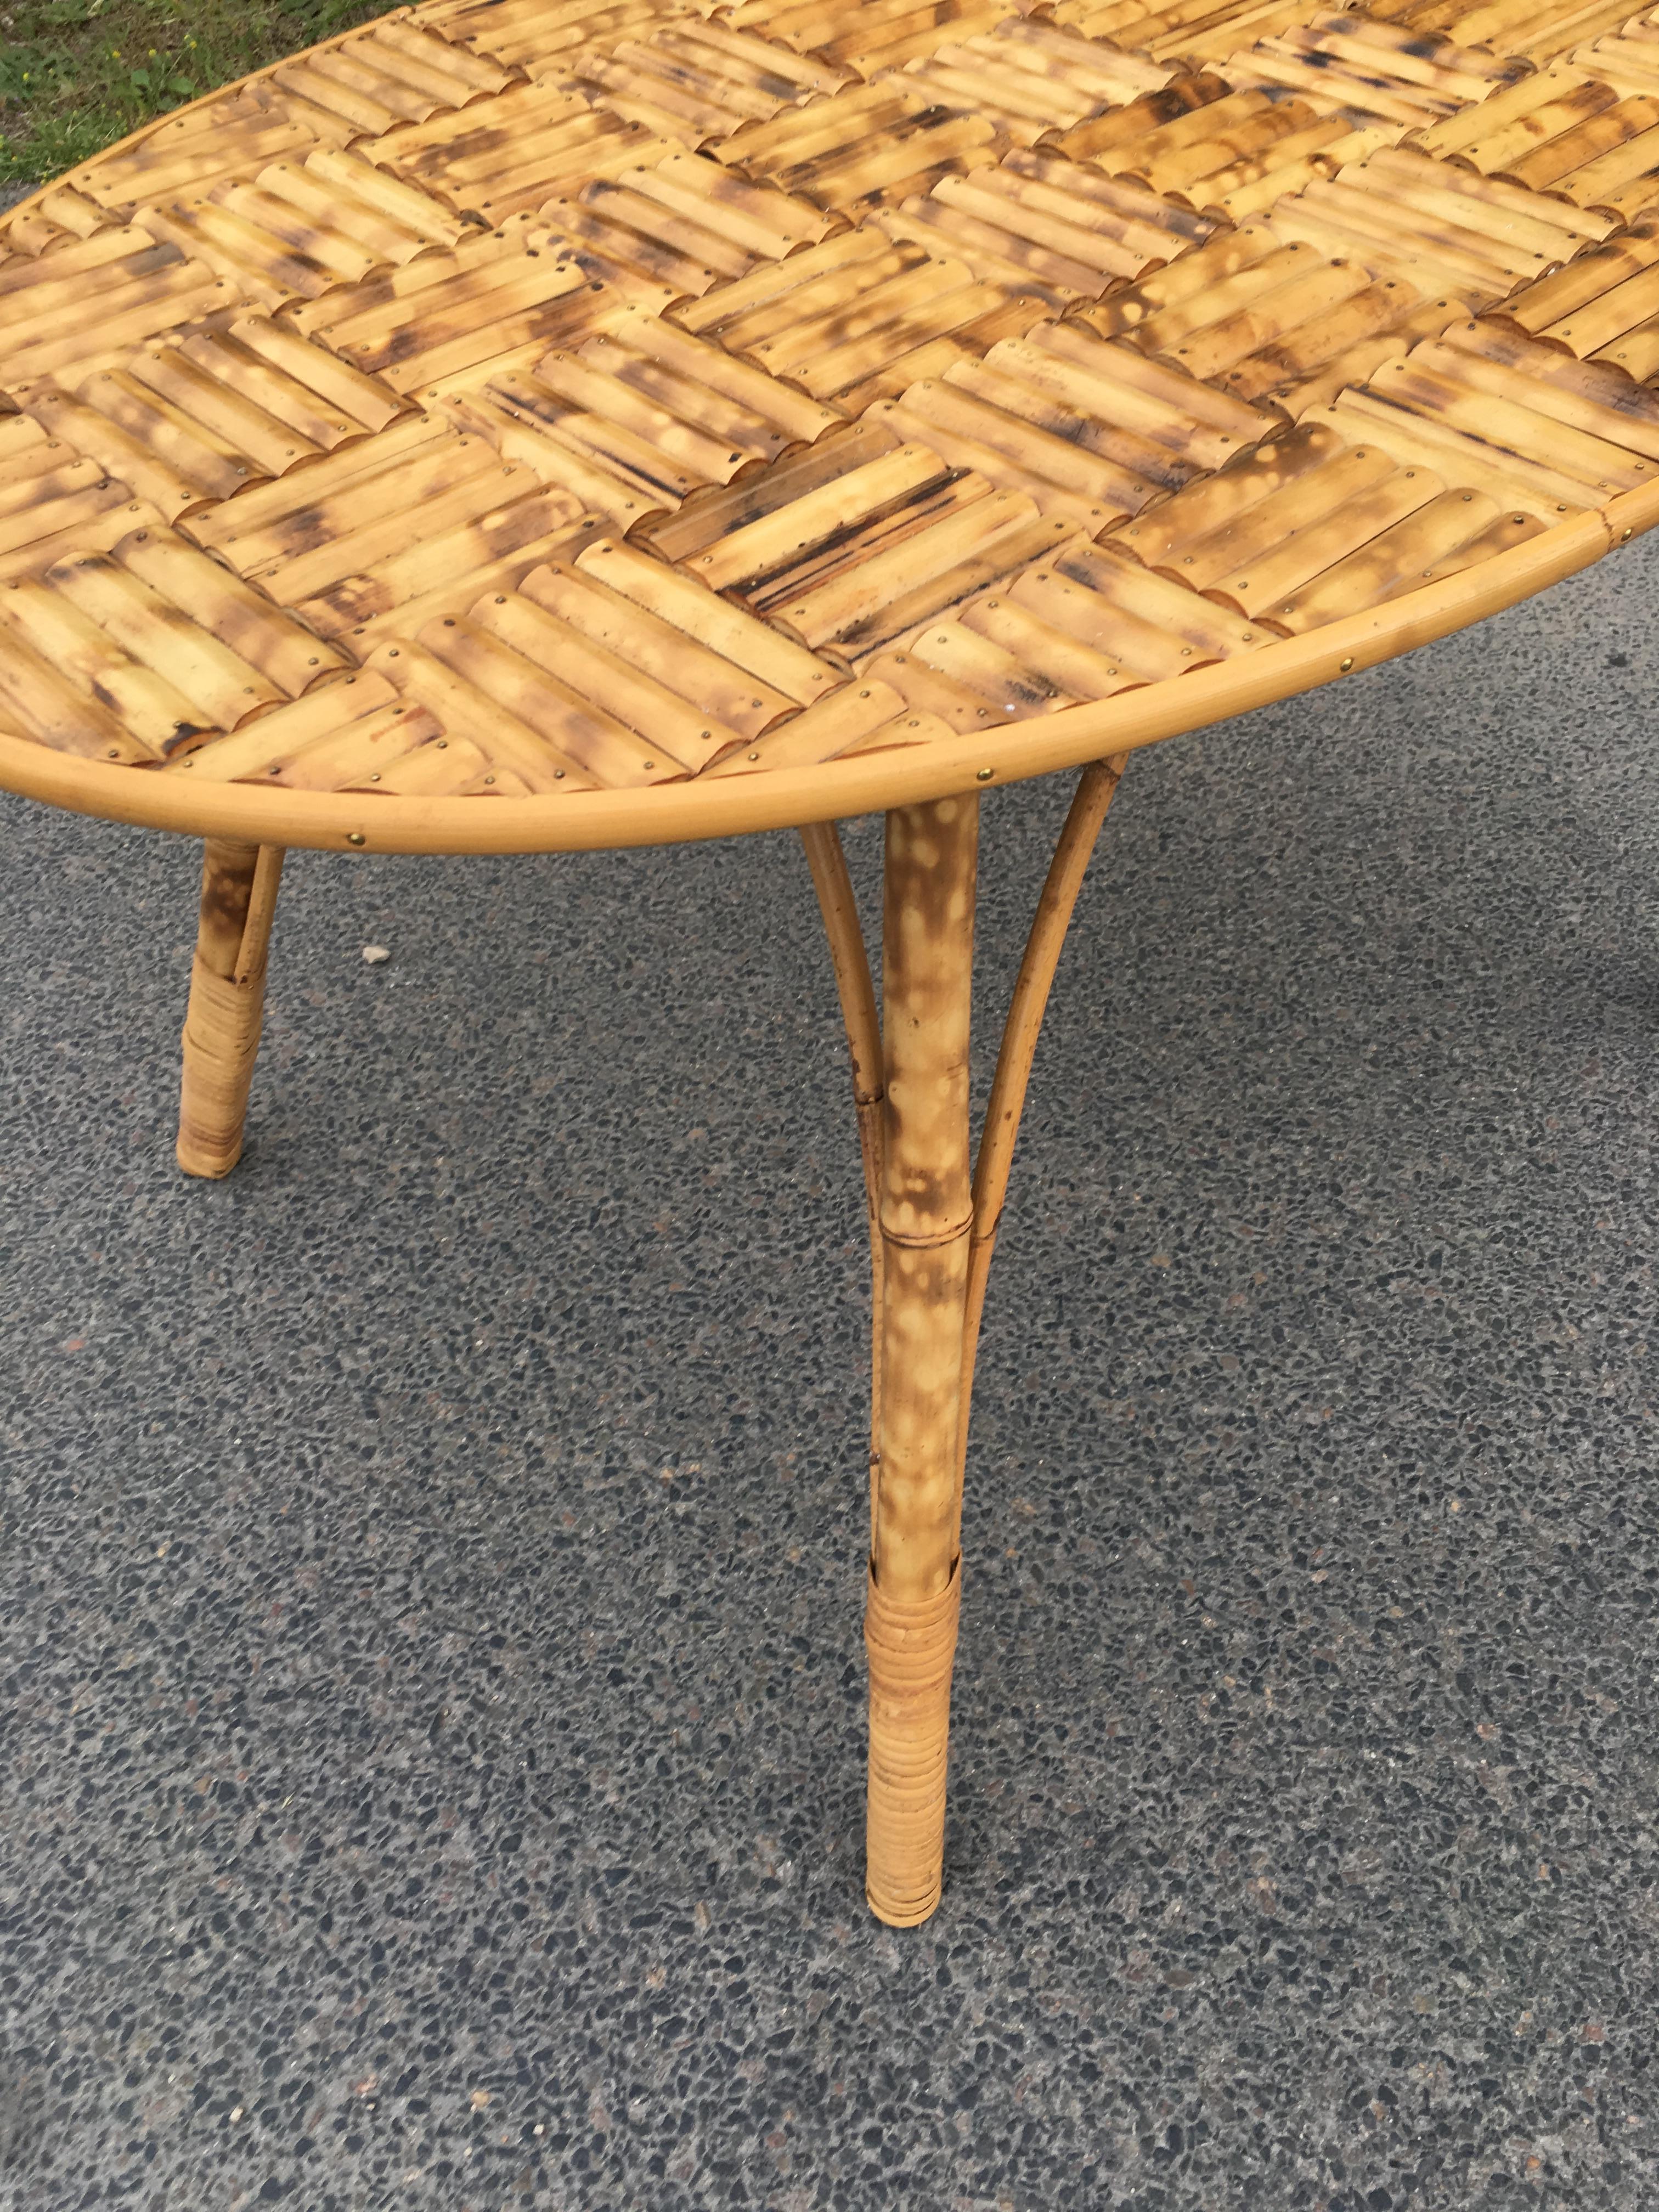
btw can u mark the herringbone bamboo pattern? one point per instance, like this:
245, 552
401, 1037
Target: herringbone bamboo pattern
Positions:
519, 398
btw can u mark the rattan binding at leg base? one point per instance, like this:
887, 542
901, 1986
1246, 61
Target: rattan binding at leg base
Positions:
912, 1644
227, 1004
221, 1039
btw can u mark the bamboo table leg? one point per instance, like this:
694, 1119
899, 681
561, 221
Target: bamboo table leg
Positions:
227, 1002
933, 1234
927, 1214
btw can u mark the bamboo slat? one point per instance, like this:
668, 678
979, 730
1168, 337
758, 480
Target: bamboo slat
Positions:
1609, 387
507, 156
393, 527
1071, 668
932, 692
475, 689
1426, 542
881, 34
1498, 407
463, 310
1031, 77
303, 228
1254, 186
1186, 30
534, 34
878, 145
61, 218
698, 80
872, 496
708, 414
142, 438
1538, 31
52, 494
229, 407
1143, 626
1149, 417
1417, 437
1263, 539
392, 72
1049, 221
63, 309
603, 467
1310, 369
863, 554
266, 742
1349, 59
579, 738
868, 715
603, 671
989, 682
233, 134
1628, 59
1008, 449
180, 646
477, 552
25, 276
868, 340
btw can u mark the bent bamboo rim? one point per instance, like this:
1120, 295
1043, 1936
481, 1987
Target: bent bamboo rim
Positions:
867, 783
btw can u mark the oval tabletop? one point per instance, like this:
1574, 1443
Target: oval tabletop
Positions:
535, 423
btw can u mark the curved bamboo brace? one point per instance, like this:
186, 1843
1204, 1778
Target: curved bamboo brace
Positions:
1096, 787
838, 904
227, 1002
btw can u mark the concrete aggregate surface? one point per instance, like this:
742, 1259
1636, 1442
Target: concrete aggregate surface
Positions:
430, 1675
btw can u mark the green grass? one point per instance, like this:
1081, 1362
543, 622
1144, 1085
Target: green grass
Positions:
76, 75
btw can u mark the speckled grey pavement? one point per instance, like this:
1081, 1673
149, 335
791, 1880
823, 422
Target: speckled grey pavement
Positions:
429, 1642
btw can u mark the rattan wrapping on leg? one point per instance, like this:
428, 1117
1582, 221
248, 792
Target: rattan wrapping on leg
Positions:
227, 1002
912, 1644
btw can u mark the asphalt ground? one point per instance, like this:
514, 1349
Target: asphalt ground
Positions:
431, 1686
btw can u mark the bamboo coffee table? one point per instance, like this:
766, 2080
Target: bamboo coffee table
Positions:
525, 425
